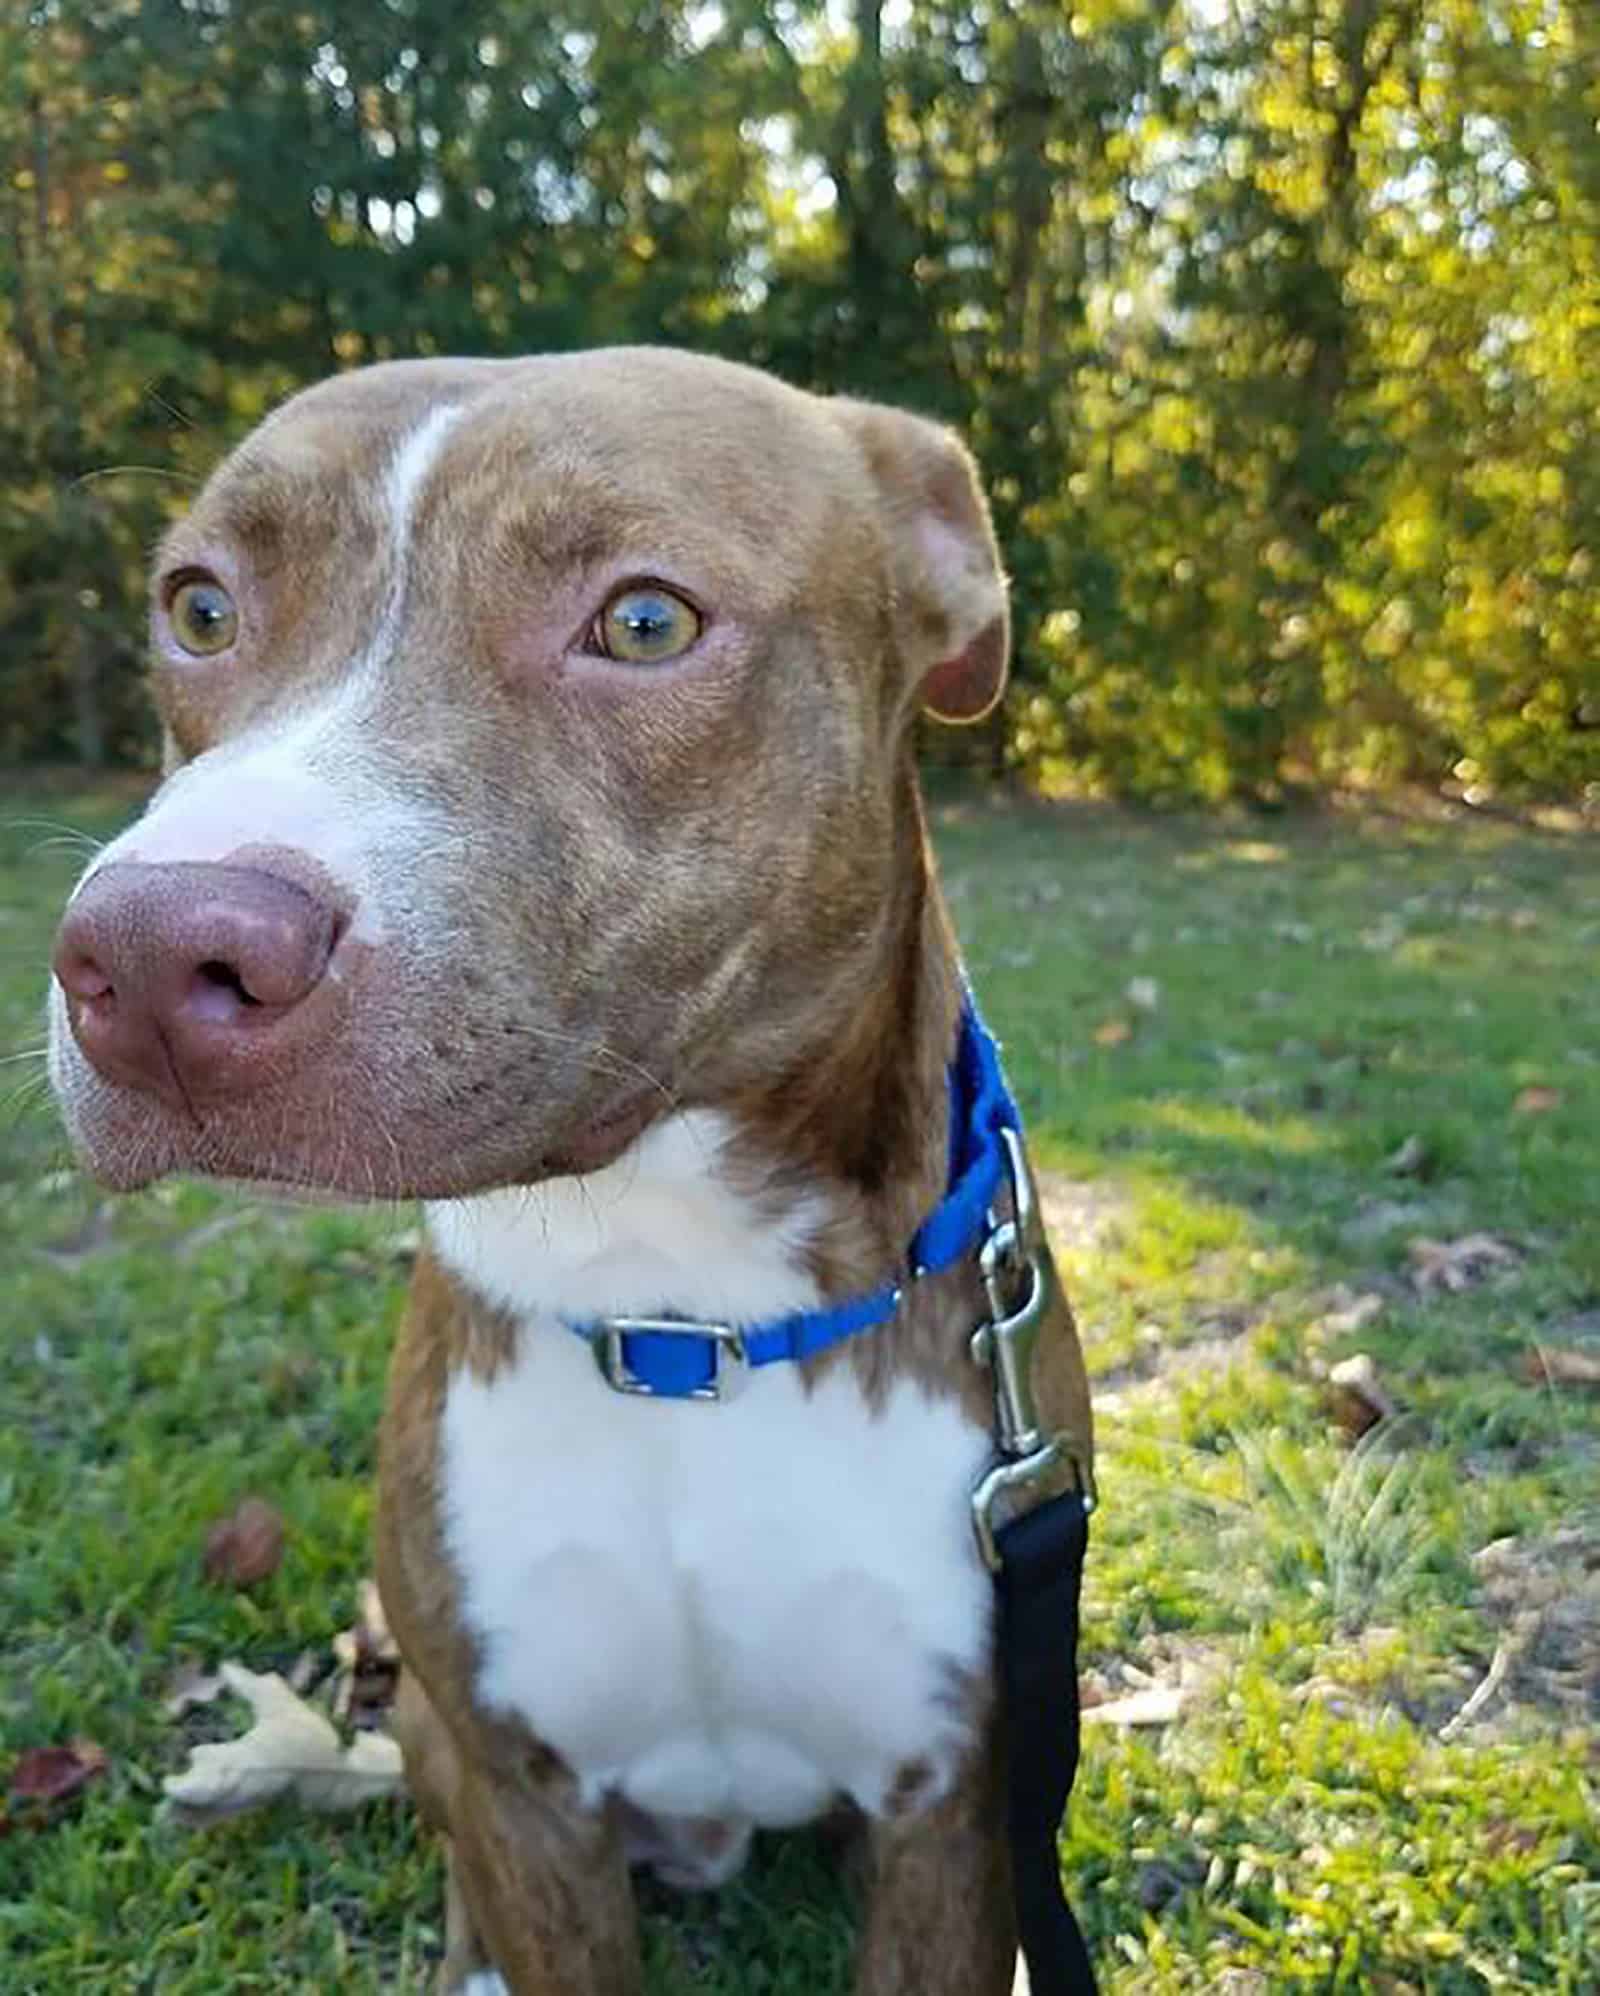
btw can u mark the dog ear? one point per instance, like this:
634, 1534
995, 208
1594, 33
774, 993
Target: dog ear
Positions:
950, 590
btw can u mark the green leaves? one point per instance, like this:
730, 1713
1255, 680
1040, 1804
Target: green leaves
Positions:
1273, 327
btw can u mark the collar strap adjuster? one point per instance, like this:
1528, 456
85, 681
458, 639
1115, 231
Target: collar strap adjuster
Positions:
721, 1371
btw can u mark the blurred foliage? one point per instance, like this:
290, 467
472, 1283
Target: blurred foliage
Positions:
1276, 323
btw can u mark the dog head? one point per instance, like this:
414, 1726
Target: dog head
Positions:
539, 755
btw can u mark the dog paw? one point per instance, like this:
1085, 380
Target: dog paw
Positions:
482, 1982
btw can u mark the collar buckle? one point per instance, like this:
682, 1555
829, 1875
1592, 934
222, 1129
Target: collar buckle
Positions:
730, 1361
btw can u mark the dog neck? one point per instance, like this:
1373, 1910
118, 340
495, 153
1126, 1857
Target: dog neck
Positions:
801, 1191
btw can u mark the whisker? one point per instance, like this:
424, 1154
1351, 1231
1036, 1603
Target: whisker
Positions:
133, 471
69, 836
28, 1096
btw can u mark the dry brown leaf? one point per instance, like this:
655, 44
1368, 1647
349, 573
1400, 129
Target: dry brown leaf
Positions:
1113, 1032
246, 1546
1458, 1264
369, 1664
291, 1749
1360, 1401
44, 1778
1561, 1365
1537, 1101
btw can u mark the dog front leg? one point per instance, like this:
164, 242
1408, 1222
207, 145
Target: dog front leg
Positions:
543, 1886
939, 1916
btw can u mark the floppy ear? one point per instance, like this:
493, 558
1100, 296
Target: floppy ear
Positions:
950, 592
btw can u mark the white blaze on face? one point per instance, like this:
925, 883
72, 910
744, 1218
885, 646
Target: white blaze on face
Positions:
308, 778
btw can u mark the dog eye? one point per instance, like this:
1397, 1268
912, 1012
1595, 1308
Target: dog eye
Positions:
645, 625
203, 616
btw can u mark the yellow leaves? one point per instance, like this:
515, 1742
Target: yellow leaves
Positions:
1296, 182
114, 172
1059, 631
1176, 424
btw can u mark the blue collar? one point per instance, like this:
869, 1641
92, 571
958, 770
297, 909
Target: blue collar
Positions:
668, 1359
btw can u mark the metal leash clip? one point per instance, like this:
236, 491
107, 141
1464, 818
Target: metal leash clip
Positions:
1016, 1281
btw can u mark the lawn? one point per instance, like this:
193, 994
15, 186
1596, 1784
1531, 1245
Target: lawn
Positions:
1301, 1089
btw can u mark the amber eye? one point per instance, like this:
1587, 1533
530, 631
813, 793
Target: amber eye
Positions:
645, 625
203, 616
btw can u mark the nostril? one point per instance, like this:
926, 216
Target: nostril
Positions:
224, 977
80, 976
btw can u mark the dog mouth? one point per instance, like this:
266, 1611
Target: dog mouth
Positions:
604, 1139
340, 1138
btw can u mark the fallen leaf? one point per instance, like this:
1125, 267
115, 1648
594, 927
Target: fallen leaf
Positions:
1154, 1705
1411, 1160
1537, 1101
307, 1667
1360, 1401
1458, 1264
369, 1664
1561, 1365
246, 1546
46, 1777
189, 1687
1350, 1312
291, 1749
1113, 1032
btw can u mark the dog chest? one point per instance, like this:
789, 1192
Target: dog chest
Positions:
746, 1609
736, 1610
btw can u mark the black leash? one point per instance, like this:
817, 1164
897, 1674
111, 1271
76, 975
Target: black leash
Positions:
1040, 1574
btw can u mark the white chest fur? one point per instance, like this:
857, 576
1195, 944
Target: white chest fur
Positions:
737, 1611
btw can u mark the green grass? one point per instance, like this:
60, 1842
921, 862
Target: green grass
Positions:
1216, 1165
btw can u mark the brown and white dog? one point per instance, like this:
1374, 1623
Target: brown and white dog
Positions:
541, 839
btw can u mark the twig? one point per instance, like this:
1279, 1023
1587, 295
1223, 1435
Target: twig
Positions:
1508, 1652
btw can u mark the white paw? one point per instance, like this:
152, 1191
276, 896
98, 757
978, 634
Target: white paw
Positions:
484, 1982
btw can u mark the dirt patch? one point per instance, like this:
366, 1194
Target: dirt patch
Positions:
1081, 1214
1159, 1364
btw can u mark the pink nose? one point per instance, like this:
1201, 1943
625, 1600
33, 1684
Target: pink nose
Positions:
193, 982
